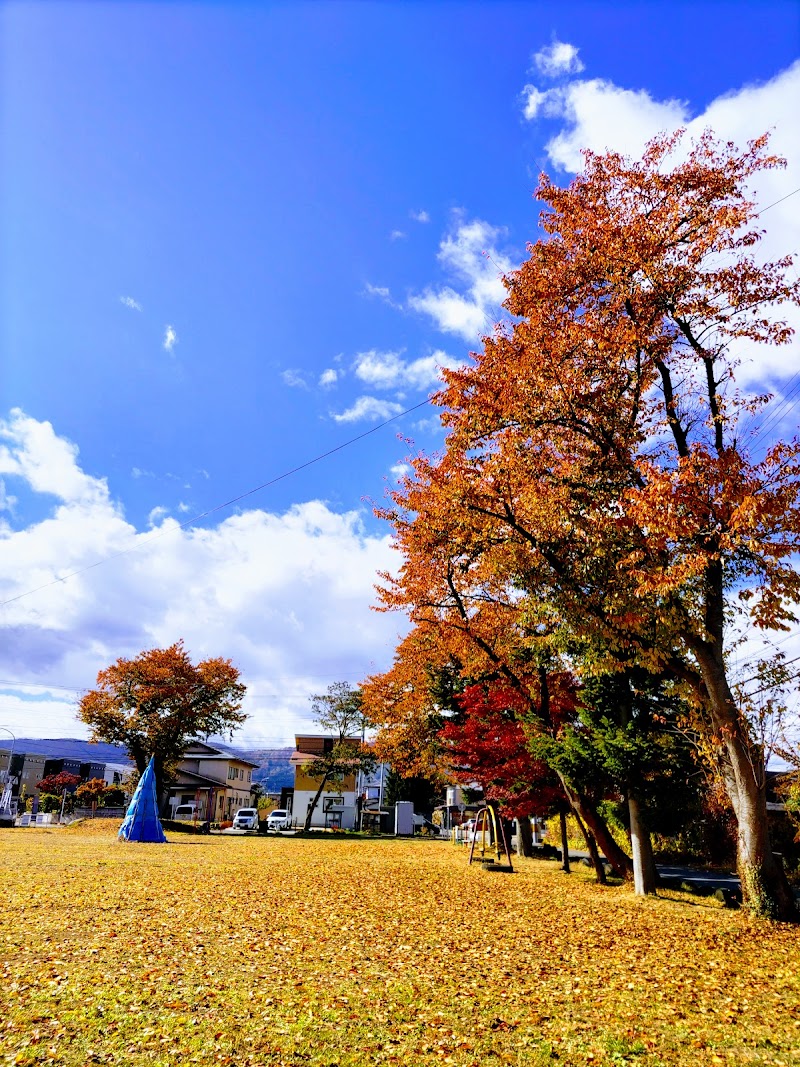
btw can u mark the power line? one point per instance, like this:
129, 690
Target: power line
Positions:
218, 507
251, 696
775, 685
755, 677
776, 202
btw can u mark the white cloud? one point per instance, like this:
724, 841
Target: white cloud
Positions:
7, 502
382, 292
129, 302
599, 115
286, 595
370, 408
170, 338
469, 253
30, 450
400, 470
419, 216
558, 58
329, 377
156, 515
534, 100
397, 235
388, 370
377, 290
294, 379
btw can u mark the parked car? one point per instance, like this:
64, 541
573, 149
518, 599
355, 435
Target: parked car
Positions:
279, 819
185, 812
246, 819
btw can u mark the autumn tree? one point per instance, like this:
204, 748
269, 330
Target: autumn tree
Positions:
486, 743
96, 790
462, 641
57, 783
596, 482
160, 702
340, 714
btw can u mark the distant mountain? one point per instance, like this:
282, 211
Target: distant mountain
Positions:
274, 769
71, 748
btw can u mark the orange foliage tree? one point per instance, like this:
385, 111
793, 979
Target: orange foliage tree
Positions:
159, 702
596, 492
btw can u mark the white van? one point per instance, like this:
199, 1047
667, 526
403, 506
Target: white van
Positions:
185, 812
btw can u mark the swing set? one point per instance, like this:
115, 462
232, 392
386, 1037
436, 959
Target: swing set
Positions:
492, 840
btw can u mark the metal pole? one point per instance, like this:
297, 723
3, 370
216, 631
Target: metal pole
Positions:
8, 787
380, 799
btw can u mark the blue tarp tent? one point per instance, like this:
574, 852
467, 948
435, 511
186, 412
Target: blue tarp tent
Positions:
141, 821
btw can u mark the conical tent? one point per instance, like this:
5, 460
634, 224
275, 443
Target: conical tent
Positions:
141, 820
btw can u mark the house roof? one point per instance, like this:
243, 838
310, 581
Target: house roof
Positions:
192, 778
228, 757
201, 750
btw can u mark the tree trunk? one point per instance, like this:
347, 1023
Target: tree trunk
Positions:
645, 876
314, 802
591, 845
619, 861
765, 888
562, 818
524, 837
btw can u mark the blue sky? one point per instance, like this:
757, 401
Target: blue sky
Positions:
235, 236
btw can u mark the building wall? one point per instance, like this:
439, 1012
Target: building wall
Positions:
32, 772
303, 797
306, 781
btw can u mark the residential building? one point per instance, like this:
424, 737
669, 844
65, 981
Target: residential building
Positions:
336, 808
342, 801
218, 782
58, 766
92, 769
31, 773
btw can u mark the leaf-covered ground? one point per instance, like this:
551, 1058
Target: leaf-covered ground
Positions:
267, 951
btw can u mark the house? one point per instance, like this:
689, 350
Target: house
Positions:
341, 802
218, 782
336, 808
115, 773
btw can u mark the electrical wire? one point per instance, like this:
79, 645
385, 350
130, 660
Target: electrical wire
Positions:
755, 677
219, 507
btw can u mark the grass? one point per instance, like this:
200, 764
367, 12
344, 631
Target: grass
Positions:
265, 951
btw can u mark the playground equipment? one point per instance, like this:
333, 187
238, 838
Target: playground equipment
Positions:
490, 825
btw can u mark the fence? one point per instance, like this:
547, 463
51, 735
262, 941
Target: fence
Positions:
99, 813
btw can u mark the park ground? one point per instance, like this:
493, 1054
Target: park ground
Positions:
321, 952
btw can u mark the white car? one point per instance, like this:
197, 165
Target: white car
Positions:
185, 813
280, 819
246, 819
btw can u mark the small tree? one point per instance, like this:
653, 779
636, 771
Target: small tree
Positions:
57, 783
159, 702
93, 791
338, 713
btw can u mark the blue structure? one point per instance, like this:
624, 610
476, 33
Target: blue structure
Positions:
141, 820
